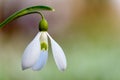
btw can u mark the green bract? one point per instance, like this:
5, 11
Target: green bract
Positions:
26, 11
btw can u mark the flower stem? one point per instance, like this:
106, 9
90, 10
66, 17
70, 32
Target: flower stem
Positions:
26, 11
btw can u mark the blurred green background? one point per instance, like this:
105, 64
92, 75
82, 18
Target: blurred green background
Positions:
87, 30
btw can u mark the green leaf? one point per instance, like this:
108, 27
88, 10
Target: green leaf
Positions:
26, 11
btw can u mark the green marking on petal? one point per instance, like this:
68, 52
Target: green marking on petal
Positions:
44, 46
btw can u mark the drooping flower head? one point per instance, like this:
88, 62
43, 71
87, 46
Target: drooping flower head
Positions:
36, 53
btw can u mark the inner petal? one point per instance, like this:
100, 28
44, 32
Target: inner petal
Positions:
44, 41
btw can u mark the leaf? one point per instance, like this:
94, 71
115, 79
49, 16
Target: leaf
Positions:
26, 11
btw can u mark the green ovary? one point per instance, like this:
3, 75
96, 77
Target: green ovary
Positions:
44, 46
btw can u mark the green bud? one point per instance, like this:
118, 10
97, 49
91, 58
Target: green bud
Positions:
43, 25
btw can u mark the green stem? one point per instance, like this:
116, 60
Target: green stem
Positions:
41, 15
26, 11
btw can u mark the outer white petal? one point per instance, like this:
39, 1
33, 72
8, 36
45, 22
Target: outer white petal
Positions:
58, 54
31, 53
41, 62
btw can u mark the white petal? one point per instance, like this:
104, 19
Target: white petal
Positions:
58, 54
42, 61
31, 53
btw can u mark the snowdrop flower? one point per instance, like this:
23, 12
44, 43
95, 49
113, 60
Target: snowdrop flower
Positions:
36, 53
